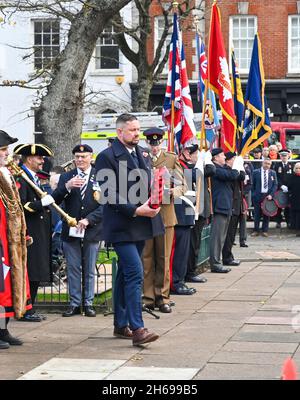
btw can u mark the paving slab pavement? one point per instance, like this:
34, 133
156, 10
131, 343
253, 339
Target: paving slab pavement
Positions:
241, 325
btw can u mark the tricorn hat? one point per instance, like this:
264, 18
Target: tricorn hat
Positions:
6, 140
35, 149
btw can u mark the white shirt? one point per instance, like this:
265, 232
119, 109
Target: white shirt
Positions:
263, 189
130, 150
33, 174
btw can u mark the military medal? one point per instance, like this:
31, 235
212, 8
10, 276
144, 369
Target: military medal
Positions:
97, 191
97, 196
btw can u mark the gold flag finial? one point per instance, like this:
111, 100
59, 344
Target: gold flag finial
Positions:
175, 5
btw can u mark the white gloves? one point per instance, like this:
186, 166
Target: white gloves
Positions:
47, 200
238, 163
200, 161
208, 158
204, 158
284, 188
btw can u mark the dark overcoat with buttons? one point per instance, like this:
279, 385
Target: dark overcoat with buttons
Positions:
88, 207
38, 221
119, 223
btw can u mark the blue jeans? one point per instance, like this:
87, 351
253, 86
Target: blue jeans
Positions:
128, 285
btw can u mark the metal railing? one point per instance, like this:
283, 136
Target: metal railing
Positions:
203, 255
54, 296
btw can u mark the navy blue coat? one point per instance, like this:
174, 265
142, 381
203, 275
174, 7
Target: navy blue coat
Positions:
222, 189
77, 208
119, 224
38, 221
256, 186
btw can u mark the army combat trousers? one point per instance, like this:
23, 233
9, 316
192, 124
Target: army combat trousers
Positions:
156, 261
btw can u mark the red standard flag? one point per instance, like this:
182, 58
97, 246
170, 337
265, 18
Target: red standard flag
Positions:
218, 78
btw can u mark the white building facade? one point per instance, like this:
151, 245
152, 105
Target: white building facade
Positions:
27, 41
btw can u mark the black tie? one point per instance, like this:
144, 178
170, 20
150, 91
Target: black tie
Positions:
135, 158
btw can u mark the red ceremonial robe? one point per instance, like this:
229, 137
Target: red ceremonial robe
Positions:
6, 298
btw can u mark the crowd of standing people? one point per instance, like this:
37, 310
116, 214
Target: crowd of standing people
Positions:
154, 226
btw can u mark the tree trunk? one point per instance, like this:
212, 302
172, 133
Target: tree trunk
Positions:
62, 106
140, 99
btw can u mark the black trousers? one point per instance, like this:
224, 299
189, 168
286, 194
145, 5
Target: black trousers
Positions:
3, 330
227, 255
195, 242
180, 258
286, 212
34, 285
243, 228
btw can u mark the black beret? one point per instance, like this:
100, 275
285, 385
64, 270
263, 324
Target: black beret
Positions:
257, 150
216, 151
154, 135
82, 148
34, 149
6, 140
229, 155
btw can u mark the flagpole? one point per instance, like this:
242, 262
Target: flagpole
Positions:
204, 101
172, 138
237, 132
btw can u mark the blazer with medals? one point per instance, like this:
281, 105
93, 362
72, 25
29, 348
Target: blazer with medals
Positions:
256, 188
119, 223
38, 221
283, 173
88, 207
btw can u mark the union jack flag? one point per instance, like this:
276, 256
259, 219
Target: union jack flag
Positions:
202, 68
178, 91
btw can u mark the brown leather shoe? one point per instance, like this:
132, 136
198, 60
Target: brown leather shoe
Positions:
265, 234
123, 333
143, 336
254, 234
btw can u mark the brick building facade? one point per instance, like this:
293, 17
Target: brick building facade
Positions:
278, 24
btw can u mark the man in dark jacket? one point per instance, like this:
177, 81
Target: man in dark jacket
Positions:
237, 209
222, 198
284, 170
204, 169
38, 221
185, 214
264, 185
81, 195
128, 221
